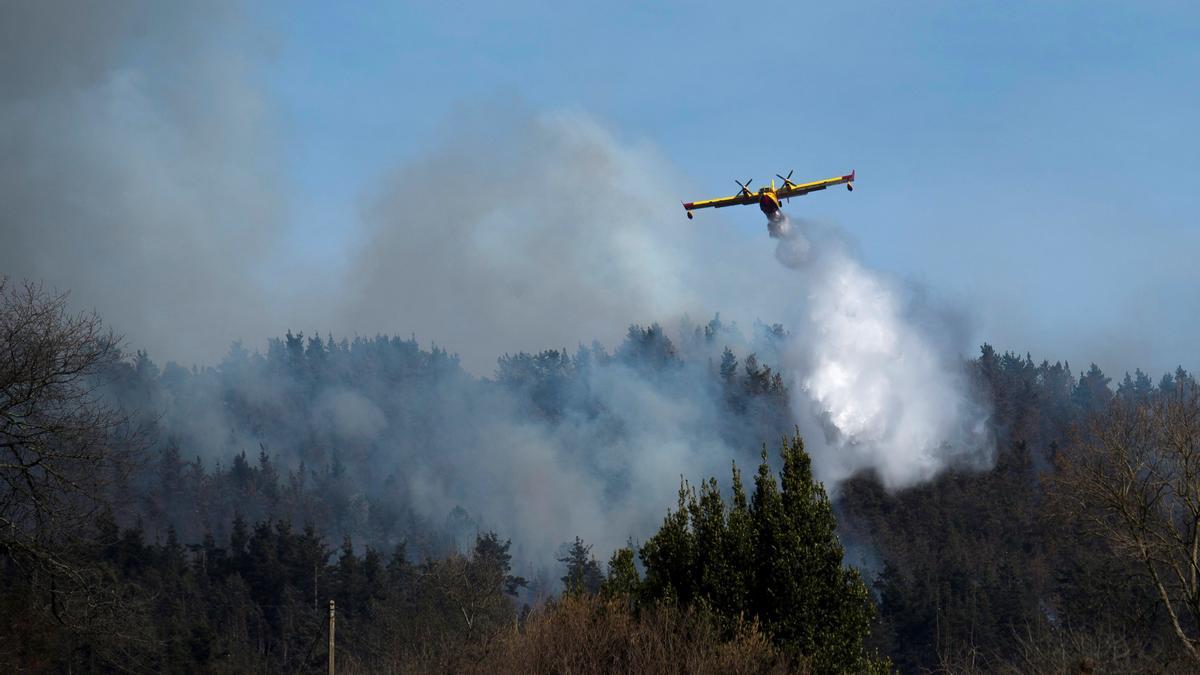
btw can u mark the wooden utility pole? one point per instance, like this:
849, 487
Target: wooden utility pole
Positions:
331, 652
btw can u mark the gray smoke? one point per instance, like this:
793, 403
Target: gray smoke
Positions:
523, 231
139, 169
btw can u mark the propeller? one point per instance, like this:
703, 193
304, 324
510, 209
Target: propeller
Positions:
787, 180
745, 186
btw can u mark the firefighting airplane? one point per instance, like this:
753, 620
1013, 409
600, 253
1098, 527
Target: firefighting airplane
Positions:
769, 198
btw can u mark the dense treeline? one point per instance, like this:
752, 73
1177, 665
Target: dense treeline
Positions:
978, 569
334, 432
258, 604
199, 520
314, 441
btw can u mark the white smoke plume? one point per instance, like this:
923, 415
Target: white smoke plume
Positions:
877, 375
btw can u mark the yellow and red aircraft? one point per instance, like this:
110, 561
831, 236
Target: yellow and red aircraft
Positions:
768, 198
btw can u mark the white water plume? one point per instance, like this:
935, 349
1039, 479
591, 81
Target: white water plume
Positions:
877, 380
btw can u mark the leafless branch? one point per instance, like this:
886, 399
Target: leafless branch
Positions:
1134, 478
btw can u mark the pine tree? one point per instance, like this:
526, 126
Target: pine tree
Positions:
492, 562
622, 574
768, 529
729, 364
583, 571
1092, 393
825, 608
776, 559
738, 549
669, 555
707, 515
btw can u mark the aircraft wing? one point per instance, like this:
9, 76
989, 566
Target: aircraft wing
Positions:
805, 188
736, 200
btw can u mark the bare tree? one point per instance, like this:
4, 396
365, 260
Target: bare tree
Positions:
61, 448
1134, 478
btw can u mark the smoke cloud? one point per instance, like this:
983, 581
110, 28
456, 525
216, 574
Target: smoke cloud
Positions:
139, 169
879, 380
523, 231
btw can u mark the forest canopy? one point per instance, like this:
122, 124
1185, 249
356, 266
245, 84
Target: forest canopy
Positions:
199, 519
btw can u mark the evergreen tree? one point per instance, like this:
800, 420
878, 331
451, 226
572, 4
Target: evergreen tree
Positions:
1092, 394
825, 608
669, 555
738, 548
776, 559
707, 515
583, 571
622, 577
729, 364
492, 562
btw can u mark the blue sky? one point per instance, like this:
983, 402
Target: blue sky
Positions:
1036, 163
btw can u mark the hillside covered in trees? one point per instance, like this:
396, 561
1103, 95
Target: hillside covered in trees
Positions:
160, 518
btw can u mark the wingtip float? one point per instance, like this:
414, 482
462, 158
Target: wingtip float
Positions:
769, 199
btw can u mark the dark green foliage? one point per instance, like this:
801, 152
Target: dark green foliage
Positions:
729, 364
622, 579
252, 591
1136, 389
201, 561
263, 607
1092, 394
544, 379
279, 451
669, 556
776, 560
821, 606
738, 549
583, 571
648, 349
492, 563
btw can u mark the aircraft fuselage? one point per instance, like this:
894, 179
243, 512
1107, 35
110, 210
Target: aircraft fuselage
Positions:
768, 203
